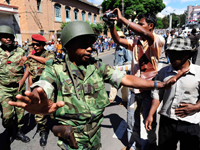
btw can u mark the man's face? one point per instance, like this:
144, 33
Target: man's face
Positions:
80, 49
7, 38
178, 58
38, 47
144, 24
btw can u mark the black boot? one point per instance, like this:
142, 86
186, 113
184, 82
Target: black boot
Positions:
43, 139
20, 136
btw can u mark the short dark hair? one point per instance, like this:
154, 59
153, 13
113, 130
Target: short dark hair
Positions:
193, 30
149, 17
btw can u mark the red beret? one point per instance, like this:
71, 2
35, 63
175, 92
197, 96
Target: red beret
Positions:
38, 37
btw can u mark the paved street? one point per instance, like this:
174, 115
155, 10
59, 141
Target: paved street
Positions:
113, 127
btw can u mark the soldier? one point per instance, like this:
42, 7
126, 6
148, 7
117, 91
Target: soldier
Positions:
37, 63
12, 78
78, 85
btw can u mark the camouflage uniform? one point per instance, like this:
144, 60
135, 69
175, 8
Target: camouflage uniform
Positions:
10, 74
84, 113
35, 69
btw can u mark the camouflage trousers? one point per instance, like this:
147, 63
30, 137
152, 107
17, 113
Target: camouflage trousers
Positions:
11, 115
41, 121
94, 145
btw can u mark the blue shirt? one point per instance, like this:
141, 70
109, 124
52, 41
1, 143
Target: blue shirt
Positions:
50, 47
122, 55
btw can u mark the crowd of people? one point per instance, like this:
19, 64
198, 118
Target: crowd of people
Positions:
64, 80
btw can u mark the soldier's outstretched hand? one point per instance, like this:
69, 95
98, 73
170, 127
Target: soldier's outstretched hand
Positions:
168, 84
36, 102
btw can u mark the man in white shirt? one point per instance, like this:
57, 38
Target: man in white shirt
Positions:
180, 116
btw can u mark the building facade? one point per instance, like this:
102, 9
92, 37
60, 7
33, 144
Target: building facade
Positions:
46, 16
9, 15
193, 13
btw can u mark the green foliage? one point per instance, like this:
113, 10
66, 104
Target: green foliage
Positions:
117, 28
96, 28
134, 8
159, 24
182, 19
177, 20
165, 22
63, 24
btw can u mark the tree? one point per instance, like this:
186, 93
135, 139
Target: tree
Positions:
165, 21
63, 25
159, 23
175, 20
134, 8
183, 19
96, 28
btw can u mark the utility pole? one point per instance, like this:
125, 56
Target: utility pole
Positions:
170, 22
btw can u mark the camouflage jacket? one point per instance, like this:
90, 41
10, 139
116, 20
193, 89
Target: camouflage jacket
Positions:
35, 67
91, 89
10, 70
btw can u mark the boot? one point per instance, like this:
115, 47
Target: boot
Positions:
43, 139
20, 136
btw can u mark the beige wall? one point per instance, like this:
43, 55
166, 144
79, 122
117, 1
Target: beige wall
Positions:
32, 21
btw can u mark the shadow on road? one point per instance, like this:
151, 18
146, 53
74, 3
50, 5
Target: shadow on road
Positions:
29, 125
115, 121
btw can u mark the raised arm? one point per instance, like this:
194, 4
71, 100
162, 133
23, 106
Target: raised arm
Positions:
136, 82
137, 28
38, 58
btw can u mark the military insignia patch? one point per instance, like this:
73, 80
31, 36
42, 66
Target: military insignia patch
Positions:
68, 81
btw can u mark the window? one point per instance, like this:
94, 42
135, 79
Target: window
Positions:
67, 11
57, 8
76, 14
95, 19
89, 17
39, 5
8, 2
83, 15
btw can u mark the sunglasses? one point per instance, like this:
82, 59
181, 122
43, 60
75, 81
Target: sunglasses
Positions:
37, 44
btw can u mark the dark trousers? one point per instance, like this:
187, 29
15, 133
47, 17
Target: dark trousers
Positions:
171, 131
144, 101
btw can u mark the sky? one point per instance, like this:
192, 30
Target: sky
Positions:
172, 6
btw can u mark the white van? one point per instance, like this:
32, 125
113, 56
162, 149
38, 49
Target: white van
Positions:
186, 29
